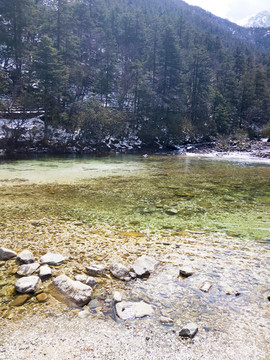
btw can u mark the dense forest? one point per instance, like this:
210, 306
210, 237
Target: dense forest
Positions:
162, 70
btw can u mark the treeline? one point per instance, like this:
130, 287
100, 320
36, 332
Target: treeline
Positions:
116, 67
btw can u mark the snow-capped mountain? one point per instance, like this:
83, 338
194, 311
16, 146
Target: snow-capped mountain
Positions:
261, 20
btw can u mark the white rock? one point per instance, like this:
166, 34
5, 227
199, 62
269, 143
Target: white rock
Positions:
52, 259
28, 284
144, 265
81, 277
27, 269
186, 271
165, 320
119, 271
189, 330
73, 291
132, 310
206, 286
6, 254
26, 257
45, 272
117, 297
96, 270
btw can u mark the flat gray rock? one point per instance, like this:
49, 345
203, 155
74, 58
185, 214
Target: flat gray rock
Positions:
6, 254
45, 272
189, 330
144, 265
27, 284
74, 292
119, 271
96, 270
132, 310
26, 257
27, 269
52, 259
88, 280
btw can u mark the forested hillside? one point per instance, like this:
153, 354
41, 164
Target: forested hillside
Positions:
160, 69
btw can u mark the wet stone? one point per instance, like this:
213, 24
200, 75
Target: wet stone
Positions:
20, 300
42, 297
96, 270
144, 265
189, 330
119, 271
27, 269
52, 259
26, 257
165, 320
45, 272
27, 284
6, 254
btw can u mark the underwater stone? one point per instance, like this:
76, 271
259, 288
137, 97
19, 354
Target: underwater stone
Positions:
27, 284
26, 257
189, 330
6, 254
144, 265
96, 270
20, 300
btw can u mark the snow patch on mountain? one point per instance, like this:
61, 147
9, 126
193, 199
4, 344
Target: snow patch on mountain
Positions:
261, 20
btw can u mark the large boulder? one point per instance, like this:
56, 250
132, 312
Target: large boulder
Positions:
27, 269
119, 271
144, 265
6, 254
132, 310
26, 257
74, 292
52, 259
27, 284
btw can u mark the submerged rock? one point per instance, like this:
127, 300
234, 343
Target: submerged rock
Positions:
119, 271
45, 272
132, 310
96, 270
73, 291
26, 257
144, 265
27, 269
186, 271
42, 297
27, 284
189, 330
20, 300
52, 259
6, 254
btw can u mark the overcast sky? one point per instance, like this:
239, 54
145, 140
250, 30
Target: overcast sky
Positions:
233, 10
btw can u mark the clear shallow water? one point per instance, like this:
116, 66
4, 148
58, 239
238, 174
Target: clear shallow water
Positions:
158, 193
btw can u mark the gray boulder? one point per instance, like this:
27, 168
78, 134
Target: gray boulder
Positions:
144, 265
27, 284
6, 254
88, 280
119, 271
96, 270
27, 269
132, 310
45, 272
52, 259
74, 292
26, 257
189, 330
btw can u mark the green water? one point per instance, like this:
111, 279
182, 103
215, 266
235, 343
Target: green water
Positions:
154, 194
